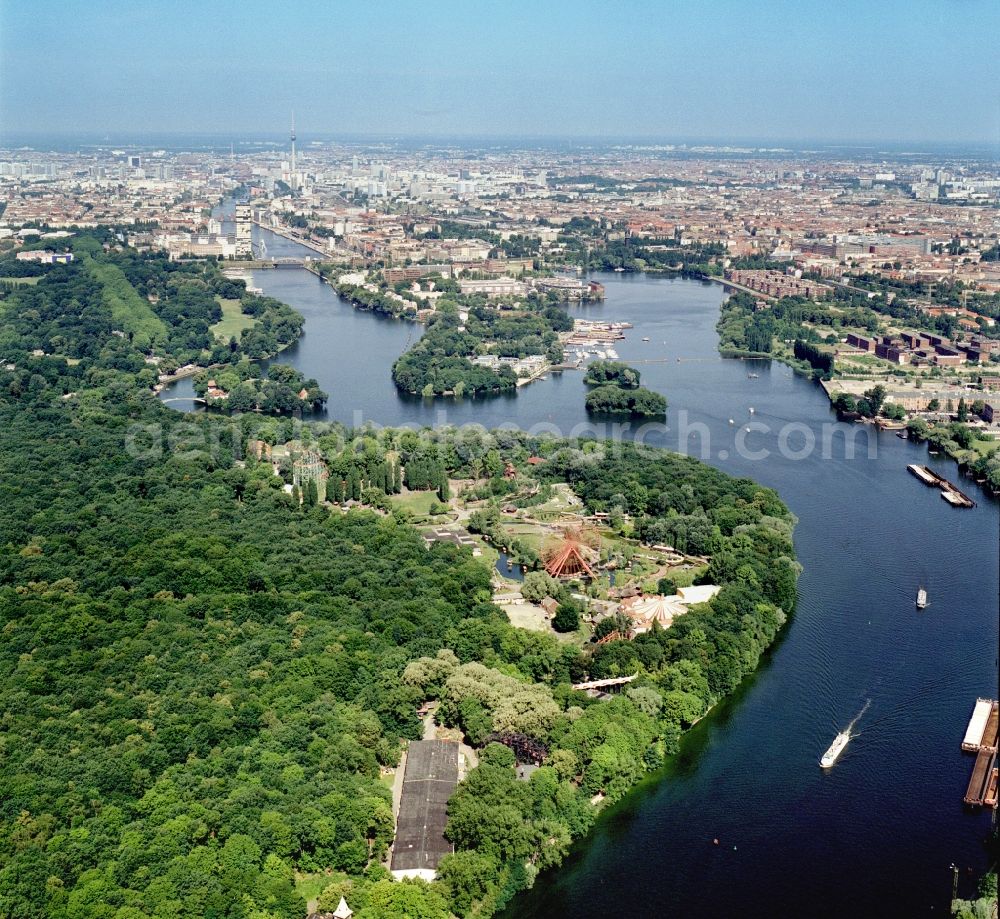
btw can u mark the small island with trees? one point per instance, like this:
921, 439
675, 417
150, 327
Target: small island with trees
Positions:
617, 392
600, 373
636, 403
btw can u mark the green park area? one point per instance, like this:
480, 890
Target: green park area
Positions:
20, 282
233, 320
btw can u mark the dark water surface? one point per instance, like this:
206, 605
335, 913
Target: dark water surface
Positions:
876, 834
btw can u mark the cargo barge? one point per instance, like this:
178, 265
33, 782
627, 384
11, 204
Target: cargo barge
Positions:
949, 492
981, 739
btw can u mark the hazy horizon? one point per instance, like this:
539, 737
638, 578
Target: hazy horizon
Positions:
855, 73
249, 143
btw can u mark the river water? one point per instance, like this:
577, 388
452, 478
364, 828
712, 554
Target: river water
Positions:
876, 834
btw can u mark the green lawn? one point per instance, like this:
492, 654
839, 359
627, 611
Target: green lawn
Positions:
310, 886
417, 503
21, 282
233, 320
984, 447
130, 312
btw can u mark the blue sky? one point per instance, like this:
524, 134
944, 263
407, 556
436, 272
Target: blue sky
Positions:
881, 70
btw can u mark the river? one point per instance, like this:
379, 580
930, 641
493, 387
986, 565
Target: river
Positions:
876, 834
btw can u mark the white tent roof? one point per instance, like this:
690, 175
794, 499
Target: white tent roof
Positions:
699, 593
663, 610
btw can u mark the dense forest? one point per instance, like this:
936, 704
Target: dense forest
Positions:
203, 676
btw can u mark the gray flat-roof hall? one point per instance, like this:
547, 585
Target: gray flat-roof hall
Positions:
430, 777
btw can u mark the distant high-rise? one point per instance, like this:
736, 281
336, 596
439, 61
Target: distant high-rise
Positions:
293, 177
244, 230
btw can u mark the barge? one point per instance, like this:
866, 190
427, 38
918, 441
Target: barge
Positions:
981, 739
949, 492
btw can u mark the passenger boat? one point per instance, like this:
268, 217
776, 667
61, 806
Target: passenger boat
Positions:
836, 748
921, 598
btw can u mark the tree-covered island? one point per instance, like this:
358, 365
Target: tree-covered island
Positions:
600, 373
475, 343
637, 402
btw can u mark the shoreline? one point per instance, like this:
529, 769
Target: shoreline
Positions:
828, 386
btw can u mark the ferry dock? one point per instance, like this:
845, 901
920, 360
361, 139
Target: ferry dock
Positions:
981, 739
949, 492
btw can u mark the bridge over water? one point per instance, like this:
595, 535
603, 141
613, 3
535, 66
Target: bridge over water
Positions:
283, 262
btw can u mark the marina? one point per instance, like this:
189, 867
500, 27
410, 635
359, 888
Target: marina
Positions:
590, 332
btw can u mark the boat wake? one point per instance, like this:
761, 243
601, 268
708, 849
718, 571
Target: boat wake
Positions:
857, 717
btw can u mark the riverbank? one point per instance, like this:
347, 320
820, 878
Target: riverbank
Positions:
286, 233
734, 322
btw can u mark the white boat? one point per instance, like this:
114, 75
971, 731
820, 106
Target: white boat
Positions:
841, 740
645, 339
921, 599
836, 748
612, 353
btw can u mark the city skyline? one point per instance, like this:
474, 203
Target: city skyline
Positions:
715, 73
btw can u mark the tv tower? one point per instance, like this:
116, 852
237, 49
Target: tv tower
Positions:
293, 177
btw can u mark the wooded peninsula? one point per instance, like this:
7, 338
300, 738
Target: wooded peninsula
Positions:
220, 632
